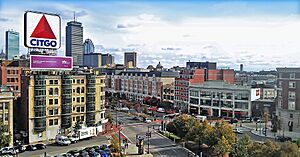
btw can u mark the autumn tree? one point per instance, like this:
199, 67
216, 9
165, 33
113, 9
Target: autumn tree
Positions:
115, 146
287, 149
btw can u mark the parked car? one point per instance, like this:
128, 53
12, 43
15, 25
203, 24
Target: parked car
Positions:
62, 140
21, 148
247, 120
147, 120
40, 146
9, 151
233, 121
74, 153
237, 130
135, 118
31, 148
283, 138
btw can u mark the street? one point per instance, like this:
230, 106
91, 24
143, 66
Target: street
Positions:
54, 149
159, 146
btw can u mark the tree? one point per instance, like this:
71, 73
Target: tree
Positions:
241, 148
115, 146
288, 149
109, 117
182, 124
200, 133
5, 135
268, 148
223, 146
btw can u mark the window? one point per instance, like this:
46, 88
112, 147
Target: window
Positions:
279, 103
55, 81
291, 105
73, 80
50, 112
78, 81
1, 106
56, 101
77, 109
56, 111
291, 115
50, 81
55, 121
194, 93
280, 84
292, 75
78, 90
6, 117
82, 109
291, 95
82, 99
56, 91
82, 89
50, 101
73, 119
82, 118
50, 122
6, 106
78, 99
82, 81
194, 101
51, 91
292, 84
73, 99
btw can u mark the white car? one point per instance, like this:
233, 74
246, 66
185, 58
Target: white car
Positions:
9, 150
62, 140
148, 120
237, 130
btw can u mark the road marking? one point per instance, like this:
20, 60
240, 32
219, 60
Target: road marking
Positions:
126, 137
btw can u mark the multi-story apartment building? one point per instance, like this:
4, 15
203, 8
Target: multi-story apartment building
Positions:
10, 74
197, 76
6, 110
221, 99
52, 102
137, 85
288, 99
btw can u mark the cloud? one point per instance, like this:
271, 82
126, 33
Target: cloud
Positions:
3, 19
171, 49
128, 25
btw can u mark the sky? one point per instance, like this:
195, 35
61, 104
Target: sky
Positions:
260, 34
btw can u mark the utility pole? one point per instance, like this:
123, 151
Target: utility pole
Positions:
148, 141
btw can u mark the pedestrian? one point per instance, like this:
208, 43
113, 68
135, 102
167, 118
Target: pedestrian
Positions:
126, 145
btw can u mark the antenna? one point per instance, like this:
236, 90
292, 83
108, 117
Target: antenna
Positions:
74, 16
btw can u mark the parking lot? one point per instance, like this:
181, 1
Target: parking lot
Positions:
54, 149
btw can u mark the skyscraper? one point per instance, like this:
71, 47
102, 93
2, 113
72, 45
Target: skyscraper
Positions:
88, 46
107, 59
130, 59
74, 42
11, 45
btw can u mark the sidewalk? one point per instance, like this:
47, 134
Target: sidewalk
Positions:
269, 134
132, 151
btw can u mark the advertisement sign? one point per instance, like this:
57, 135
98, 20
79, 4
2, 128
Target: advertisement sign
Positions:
42, 30
39, 62
255, 94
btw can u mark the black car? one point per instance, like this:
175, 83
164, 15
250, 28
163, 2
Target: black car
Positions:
40, 146
20, 148
135, 118
283, 138
75, 153
233, 121
31, 148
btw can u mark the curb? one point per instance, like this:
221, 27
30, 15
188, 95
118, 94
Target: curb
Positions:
126, 137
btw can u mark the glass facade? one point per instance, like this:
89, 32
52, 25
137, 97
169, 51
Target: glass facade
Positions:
88, 46
11, 44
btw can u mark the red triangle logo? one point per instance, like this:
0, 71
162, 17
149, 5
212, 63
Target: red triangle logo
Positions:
43, 30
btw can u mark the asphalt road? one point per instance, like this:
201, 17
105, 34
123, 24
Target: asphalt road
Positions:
159, 146
55, 149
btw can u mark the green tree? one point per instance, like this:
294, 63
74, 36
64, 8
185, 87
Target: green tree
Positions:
182, 124
5, 136
200, 133
109, 117
223, 146
219, 130
241, 148
268, 148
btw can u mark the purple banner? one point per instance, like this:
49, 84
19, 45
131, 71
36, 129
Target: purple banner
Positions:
51, 62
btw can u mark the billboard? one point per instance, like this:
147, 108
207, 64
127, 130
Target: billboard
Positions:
255, 94
42, 30
39, 62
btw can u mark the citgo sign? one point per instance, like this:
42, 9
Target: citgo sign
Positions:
42, 30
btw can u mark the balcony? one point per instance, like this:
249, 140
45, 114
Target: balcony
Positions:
39, 124
66, 121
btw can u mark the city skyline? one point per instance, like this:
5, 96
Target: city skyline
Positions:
260, 35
